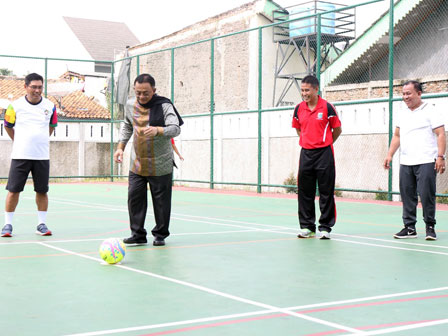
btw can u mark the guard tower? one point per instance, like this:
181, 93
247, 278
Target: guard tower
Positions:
297, 47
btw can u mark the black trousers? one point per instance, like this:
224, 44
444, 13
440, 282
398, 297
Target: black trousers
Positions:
317, 165
419, 179
161, 190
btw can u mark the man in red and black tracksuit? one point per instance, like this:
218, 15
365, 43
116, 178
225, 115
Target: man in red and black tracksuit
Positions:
318, 127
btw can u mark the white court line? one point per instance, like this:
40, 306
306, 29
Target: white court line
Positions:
390, 247
172, 324
406, 327
277, 228
101, 239
91, 205
369, 298
394, 241
255, 313
218, 293
300, 307
177, 214
214, 232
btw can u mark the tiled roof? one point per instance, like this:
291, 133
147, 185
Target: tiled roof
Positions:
101, 38
75, 105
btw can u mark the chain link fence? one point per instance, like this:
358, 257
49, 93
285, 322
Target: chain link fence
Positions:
82, 142
236, 92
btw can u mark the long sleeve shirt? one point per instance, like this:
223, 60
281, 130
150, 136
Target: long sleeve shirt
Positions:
150, 156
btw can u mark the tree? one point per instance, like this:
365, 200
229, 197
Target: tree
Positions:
6, 72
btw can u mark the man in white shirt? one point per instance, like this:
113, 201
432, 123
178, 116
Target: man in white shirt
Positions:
29, 122
420, 135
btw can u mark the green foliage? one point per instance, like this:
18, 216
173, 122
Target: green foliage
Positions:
337, 193
6, 72
381, 196
291, 180
442, 199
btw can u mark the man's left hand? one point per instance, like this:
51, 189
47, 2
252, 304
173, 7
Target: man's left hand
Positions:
150, 131
440, 165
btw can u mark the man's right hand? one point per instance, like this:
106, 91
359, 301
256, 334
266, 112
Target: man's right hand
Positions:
387, 162
118, 156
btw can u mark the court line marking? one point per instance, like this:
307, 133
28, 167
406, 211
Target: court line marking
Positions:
218, 293
406, 327
390, 247
255, 313
395, 241
276, 230
272, 226
335, 239
102, 206
105, 237
363, 243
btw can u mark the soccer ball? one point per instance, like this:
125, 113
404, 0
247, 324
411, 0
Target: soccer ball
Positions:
112, 250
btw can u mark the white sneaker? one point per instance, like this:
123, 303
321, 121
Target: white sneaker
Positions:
324, 235
306, 233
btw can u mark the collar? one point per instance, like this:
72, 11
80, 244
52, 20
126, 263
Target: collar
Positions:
33, 103
319, 101
421, 107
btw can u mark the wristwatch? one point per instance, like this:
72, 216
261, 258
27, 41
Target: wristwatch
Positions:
442, 156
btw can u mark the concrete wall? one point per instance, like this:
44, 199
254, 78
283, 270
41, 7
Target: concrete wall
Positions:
235, 63
84, 149
75, 150
359, 151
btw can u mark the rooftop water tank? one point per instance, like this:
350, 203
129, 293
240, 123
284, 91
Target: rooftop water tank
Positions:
308, 26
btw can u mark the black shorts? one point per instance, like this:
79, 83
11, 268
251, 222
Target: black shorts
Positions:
19, 171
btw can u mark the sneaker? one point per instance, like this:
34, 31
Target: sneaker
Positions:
135, 241
7, 231
306, 233
159, 242
324, 235
406, 233
430, 233
43, 230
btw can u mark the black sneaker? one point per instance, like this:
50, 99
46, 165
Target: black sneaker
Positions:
159, 242
406, 233
430, 233
135, 241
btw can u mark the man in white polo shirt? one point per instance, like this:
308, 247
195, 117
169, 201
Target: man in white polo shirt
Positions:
420, 135
29, 122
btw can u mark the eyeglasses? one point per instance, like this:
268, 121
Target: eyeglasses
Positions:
35, 87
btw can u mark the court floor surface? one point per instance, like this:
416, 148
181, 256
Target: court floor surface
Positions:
232, 266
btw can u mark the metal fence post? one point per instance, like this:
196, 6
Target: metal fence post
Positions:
212, 111
260, 103
318, 43
46, 74
112, 122
138, 65
391, 89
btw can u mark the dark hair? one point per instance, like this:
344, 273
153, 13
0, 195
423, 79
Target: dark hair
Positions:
310, 79
145, 78
417, 85
33, 77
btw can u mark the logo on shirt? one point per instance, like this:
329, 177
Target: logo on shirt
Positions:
46, 112
320, 115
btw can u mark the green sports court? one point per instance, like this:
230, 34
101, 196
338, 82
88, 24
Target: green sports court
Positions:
232, 266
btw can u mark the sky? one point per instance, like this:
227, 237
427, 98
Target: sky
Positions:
148, 19
29, 25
